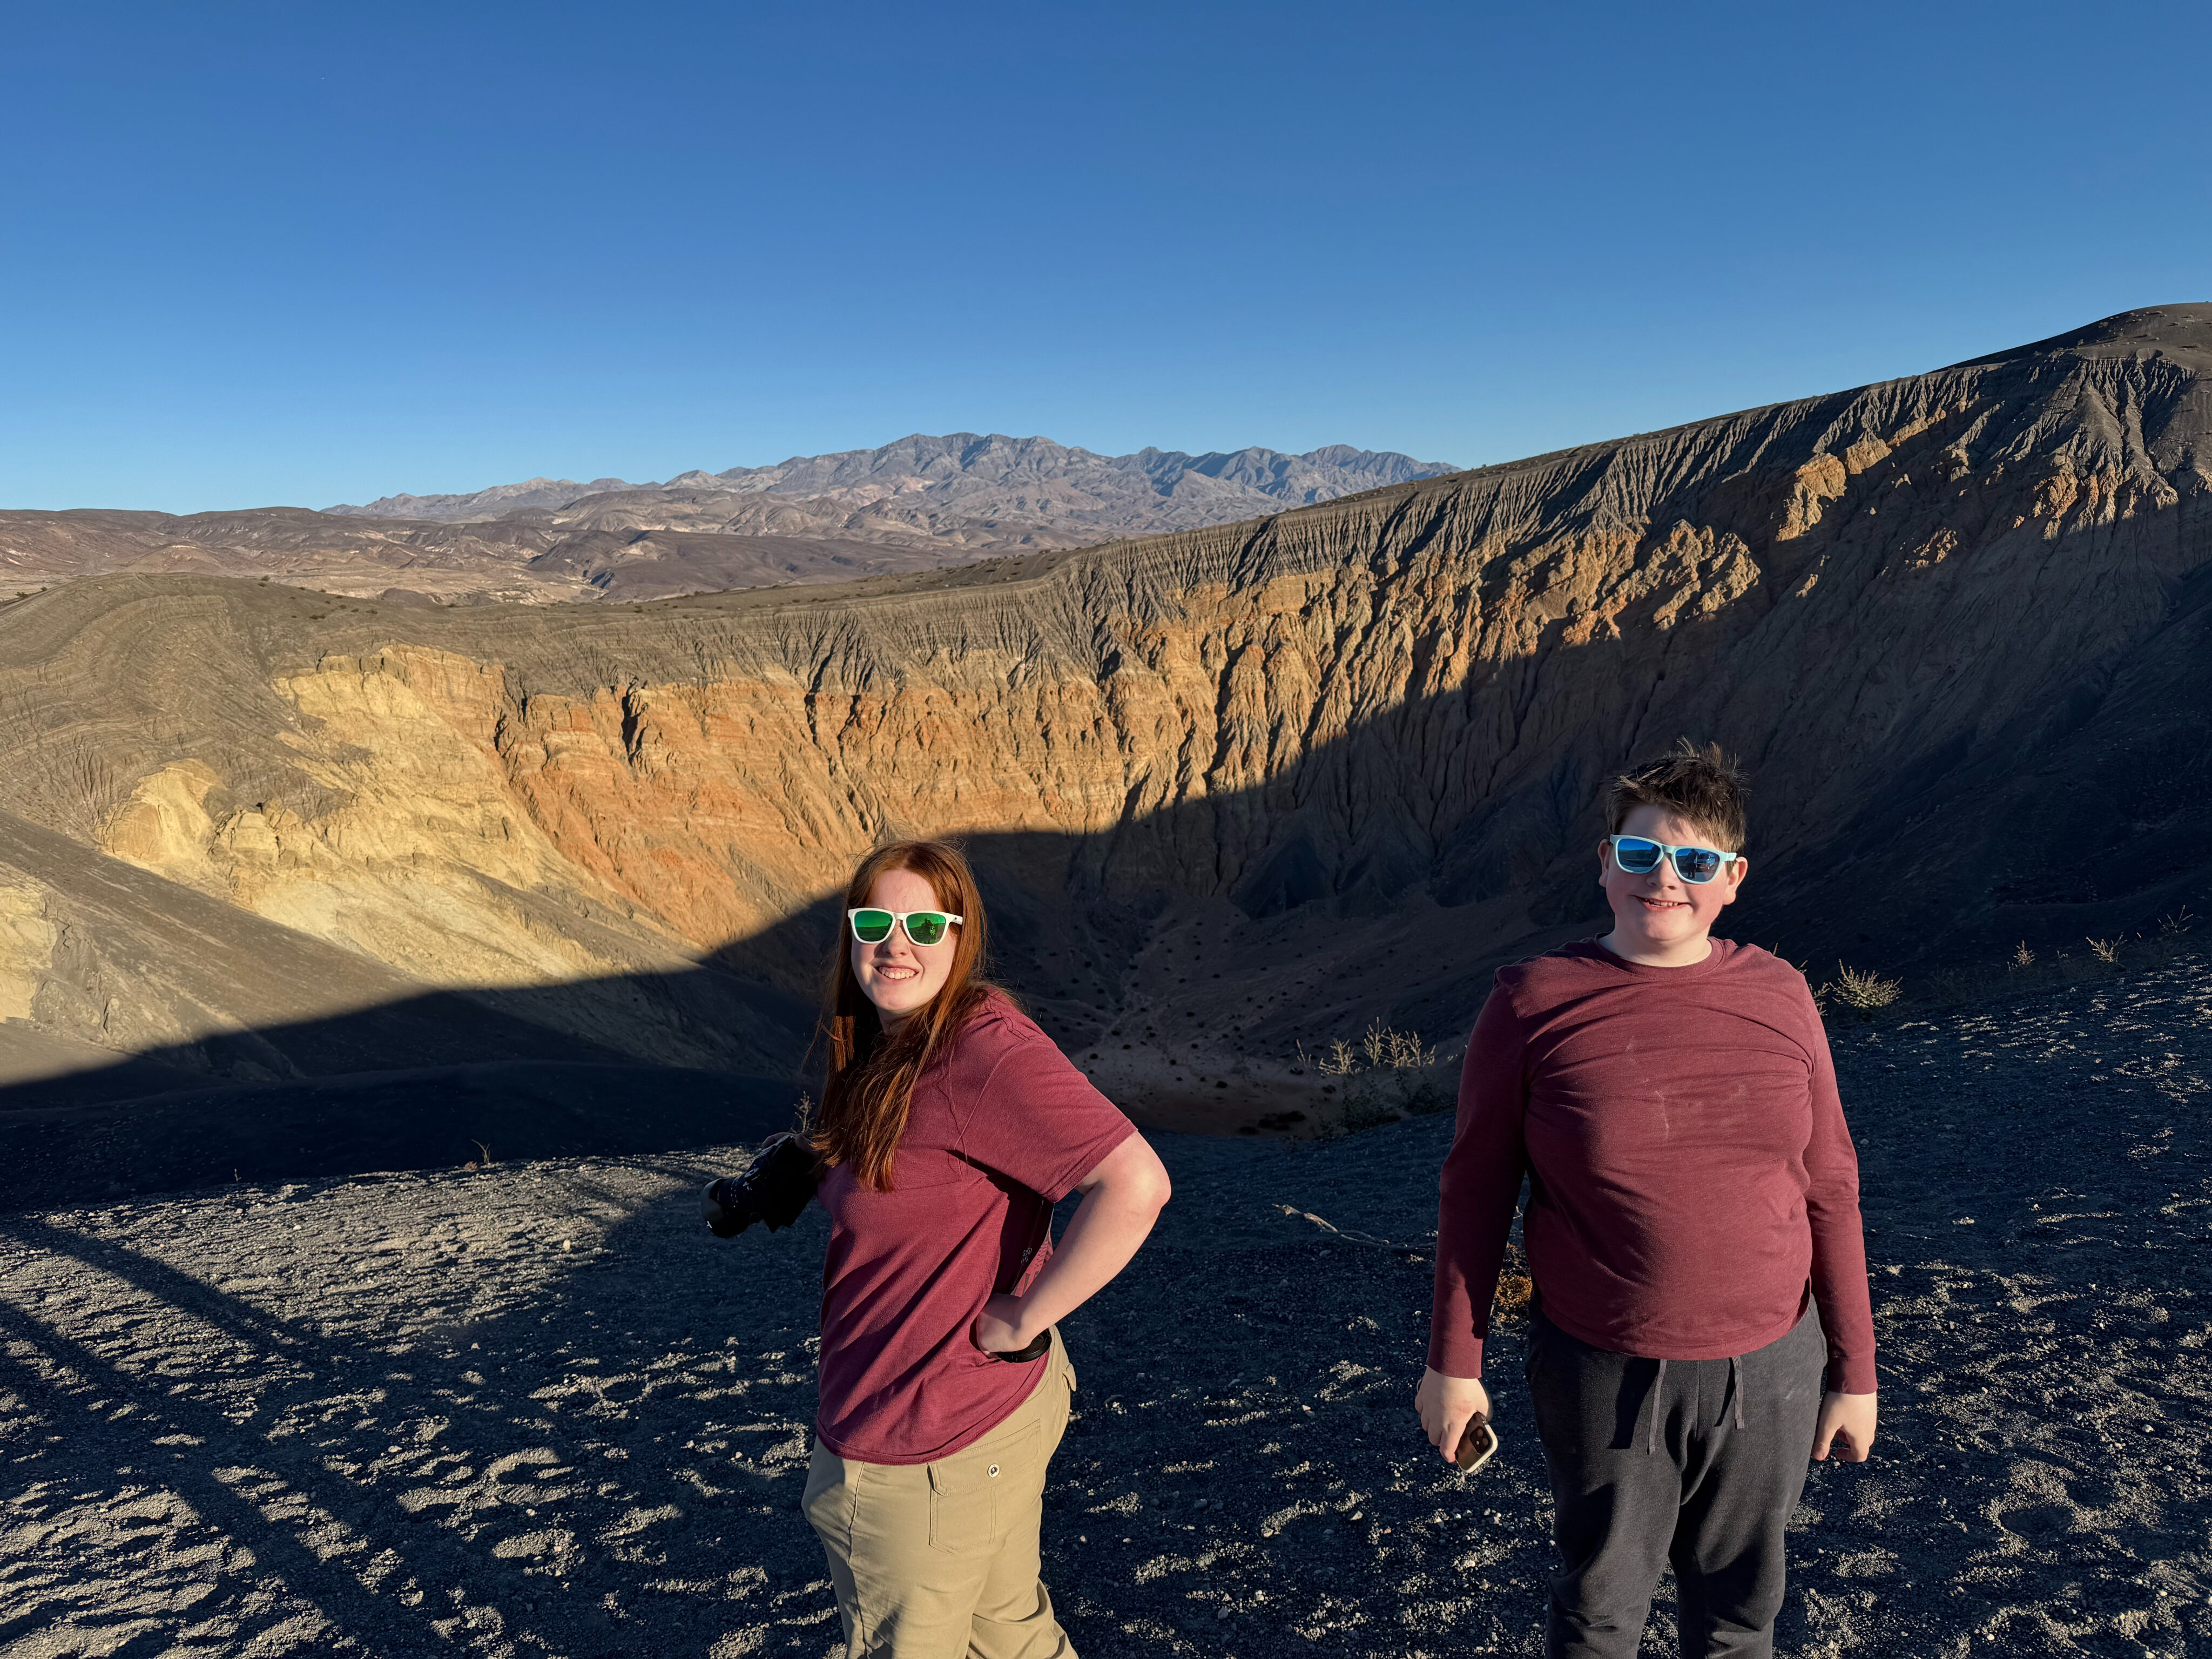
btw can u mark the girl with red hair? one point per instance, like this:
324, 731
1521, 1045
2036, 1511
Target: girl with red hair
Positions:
950, 1126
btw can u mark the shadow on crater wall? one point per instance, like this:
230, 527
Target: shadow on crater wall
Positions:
2088, 812
1977, 706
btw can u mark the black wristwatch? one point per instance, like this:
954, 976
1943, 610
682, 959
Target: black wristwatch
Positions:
1036, 1350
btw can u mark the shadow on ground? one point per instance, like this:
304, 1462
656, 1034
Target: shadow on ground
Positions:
436, 1082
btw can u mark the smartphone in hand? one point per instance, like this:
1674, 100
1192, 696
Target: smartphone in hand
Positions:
1477, 1446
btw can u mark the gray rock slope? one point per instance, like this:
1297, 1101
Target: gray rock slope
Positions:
169, 1038
537, 1410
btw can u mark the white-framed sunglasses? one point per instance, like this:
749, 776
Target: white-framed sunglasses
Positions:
1639, 855
872, 926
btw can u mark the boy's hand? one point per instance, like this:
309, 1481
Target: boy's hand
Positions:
1847, 1420
1446, 1405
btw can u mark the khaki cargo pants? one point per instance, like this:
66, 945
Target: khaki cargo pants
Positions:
939, 1560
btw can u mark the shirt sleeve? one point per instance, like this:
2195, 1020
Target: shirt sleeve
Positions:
1832, 1207
1480, 1186
1037, 1121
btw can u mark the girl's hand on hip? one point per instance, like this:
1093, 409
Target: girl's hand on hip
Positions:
1447, 1405
999, 1327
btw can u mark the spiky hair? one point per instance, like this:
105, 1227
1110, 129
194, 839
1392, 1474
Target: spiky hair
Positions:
1700, 782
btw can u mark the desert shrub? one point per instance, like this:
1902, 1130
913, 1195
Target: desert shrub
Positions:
1383, 1049
2177, 924
1391, 1075
1864, 991
1516, 1290
1365, 1109
2021, 956
1340, 1061
2105, 950
1426, 1094
1402, 1051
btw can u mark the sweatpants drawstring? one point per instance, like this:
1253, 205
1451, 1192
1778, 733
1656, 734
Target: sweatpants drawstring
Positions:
1659, 1404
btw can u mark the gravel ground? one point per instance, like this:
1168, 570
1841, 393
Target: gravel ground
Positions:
535, 1409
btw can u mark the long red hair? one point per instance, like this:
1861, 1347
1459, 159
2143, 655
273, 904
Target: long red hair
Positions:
869, 1086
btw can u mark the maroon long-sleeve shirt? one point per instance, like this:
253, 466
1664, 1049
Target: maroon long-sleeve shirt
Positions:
1690, 1171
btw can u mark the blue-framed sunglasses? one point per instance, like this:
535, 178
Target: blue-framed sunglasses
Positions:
1639, 855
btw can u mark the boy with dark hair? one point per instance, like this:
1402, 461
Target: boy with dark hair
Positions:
1701, 1324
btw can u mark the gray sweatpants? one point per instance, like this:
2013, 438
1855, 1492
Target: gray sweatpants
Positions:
1696, 1462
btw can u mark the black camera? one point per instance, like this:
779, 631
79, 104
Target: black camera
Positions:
774, 1188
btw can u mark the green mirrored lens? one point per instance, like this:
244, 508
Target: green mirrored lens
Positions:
872, 927
926, 926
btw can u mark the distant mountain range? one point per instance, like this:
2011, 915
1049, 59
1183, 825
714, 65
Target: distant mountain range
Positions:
992, 480
919, 504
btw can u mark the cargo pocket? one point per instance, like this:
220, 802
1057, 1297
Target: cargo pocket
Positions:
968, 1492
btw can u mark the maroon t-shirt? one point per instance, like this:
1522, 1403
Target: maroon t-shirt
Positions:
1002, 1129
1690, 1173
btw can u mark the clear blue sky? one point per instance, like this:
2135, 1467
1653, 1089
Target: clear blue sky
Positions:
312, 253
